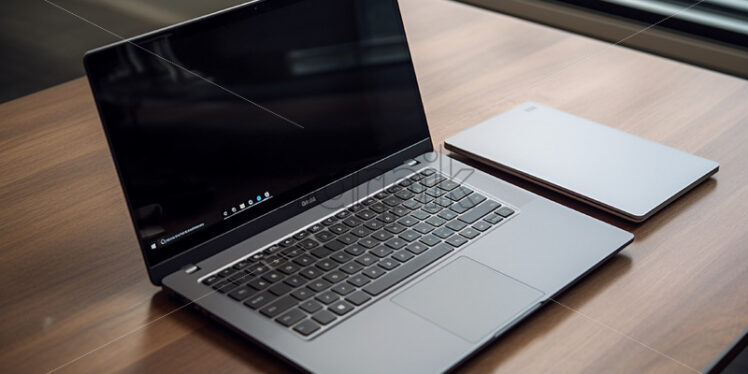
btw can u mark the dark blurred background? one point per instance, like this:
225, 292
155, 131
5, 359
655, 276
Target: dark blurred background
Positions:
42, 45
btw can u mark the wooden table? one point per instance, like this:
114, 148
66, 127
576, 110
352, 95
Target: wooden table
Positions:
72, 279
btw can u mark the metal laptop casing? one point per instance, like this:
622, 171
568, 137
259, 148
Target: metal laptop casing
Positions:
546, 246
620, 173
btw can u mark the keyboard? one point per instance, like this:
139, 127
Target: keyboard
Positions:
316, 278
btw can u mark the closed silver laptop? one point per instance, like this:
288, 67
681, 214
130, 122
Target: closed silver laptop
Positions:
279, 172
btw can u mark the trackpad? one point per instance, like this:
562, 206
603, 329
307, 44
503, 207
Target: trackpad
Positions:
468, 298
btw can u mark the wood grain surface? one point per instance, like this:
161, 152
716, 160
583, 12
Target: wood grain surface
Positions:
74, 295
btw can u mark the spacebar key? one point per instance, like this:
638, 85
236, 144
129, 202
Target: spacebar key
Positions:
396, 276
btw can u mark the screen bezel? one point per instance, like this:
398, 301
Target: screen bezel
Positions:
197, 253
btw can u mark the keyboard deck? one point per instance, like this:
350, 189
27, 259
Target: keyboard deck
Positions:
313, 280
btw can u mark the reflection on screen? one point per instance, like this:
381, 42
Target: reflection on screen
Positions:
255, 108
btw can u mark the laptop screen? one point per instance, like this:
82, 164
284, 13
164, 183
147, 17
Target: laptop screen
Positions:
218, 121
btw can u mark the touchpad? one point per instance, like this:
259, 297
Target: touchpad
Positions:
468, 298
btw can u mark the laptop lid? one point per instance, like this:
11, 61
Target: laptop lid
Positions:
222, 126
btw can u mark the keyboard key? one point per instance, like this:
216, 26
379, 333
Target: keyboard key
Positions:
432, 180
427, 172
323, 252
435, 192
226, 272
343, 214
374, 224
479, 211
338, 228
470, 233
378, 208
395, 228
352, 221
340, 307
456, 225
443, 202
368, 201
443, 232
393, 189
289, 268
465, 204
357, 207
326, 264
403, 256
301, 235
369, 242
408, 221
279, 306
355, 250
420, 214
400, 211
291, 317
259, 284
410, 235
347, 238
304, 260
310, 306
382, 235
396, 243
366, 259
357, 298
459, 193
482, 226
302, 293
259, 300
448, 185
324, 317
241, 264
241, 293
406, 270
327, 297
430, 240
295, 281
319, 285
324, 236
343, 289
416, 177
273, 276
366, 214
423, 198
317, 227
360, 231
211, 280
417, 188
423, 228
329, 221
417, 248
239, 277
280, 289
387, 217
358, 280
373, 272
456, 240
335, 276
388, 264
306, 328
493, 219
351, 267
292, 252
287, 242
505, 212
435, 221
381, 251
392, 201
311, 272
432, 208
405, 182
341, 257
404, 194
411, 204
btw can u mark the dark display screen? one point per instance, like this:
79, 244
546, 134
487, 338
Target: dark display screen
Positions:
218, 121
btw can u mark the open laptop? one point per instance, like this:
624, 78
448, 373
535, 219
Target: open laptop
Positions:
278, 169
